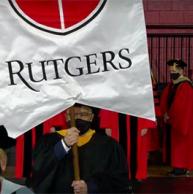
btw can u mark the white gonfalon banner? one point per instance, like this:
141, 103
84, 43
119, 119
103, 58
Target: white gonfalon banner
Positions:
101, 61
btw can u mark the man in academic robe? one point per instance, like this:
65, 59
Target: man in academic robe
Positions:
103, 167
177, 108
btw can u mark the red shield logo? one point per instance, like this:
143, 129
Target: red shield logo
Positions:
59, 17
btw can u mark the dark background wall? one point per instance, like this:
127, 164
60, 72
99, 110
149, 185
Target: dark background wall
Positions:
169, 11
170, 34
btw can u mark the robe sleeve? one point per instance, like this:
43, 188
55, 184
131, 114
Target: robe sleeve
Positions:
142, 147
24, 190
164, 100
181, 111
115, 178
45, 164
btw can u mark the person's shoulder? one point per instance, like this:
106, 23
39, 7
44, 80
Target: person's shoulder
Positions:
109, 144
187, 84
24, 190
11, 187
167, 87
49, 137
184, 81
47, 140
106, 139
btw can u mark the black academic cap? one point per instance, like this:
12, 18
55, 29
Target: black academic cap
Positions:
94, 109
5, 141
179, 63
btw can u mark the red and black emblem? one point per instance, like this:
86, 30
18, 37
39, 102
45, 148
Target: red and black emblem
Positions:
59, 17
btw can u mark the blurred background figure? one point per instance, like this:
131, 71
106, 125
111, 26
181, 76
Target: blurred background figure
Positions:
6, 186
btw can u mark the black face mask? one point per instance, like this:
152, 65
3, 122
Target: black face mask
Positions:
82, 126
174, 76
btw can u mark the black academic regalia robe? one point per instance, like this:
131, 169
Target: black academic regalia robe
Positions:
102, 165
